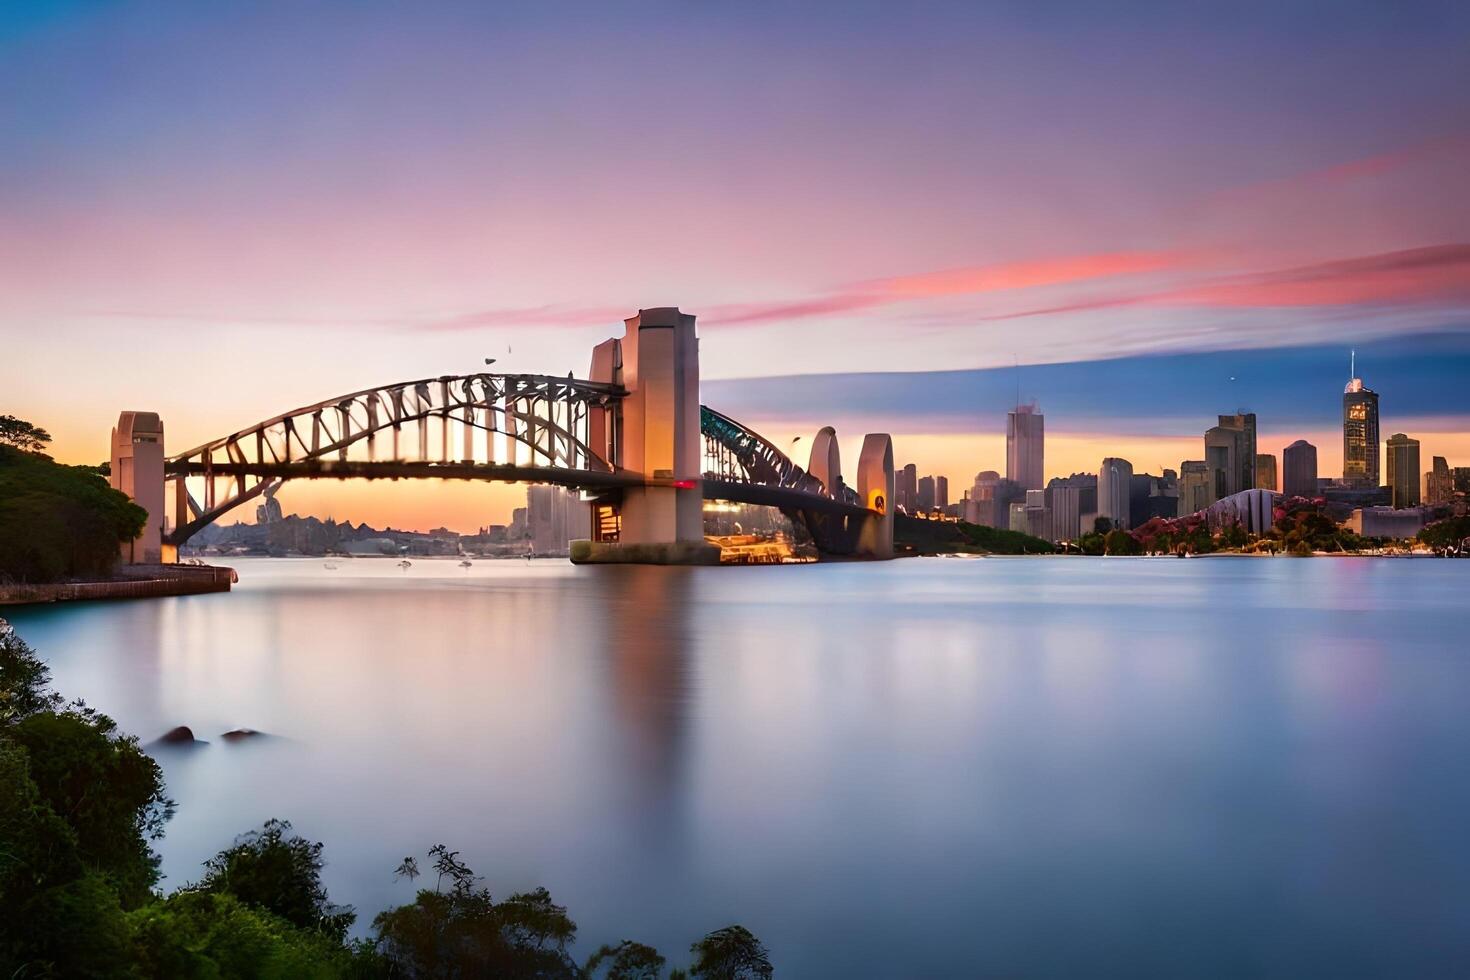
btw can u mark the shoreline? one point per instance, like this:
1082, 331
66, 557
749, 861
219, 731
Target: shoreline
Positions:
143, 582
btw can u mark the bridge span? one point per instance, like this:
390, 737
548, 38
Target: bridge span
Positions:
633, 438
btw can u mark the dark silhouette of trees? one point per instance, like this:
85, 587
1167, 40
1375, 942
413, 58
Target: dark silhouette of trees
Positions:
280, 872
731, 953
59, 521
625, 961
22, 435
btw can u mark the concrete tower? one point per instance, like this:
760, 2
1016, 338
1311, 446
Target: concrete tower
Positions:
137, 470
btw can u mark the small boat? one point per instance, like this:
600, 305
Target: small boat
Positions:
405, 564
466, 564
330, 566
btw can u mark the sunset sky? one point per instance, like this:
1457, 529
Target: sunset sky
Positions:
886, 216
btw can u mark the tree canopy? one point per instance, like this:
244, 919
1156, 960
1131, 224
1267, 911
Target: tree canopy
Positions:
59, 522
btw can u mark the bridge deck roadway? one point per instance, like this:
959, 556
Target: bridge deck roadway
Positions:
731, 490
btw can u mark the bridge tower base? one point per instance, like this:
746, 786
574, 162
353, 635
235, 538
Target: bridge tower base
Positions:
654, 431
137, 470
875, 487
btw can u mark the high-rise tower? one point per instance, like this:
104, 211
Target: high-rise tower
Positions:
1359, 432
1025, 442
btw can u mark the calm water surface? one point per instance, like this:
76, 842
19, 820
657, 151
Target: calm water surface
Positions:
926, 768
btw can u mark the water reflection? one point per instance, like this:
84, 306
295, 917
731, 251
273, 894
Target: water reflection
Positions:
647, 615
924, 768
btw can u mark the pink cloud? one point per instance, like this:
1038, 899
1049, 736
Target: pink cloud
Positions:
1024, 275
1435, 272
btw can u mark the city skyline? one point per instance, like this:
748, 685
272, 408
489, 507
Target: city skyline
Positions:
263, 232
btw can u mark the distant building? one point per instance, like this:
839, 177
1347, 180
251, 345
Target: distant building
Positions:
1439, 488
980, 507
1230, 453
1265, 471
1152, 496
1086, 486
941, 492
1253, 510
1460, 478
1065, 505
1386, 522
1006, 493
1359, 435
1025, 444
924, 502
268, 512
1403, 470
907, 488
1036, 520
1113, 485
1196, 487
1299, 469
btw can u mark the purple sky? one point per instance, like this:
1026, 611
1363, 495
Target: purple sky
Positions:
218, 211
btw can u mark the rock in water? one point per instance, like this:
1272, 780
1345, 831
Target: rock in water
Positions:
241, 735
183, 735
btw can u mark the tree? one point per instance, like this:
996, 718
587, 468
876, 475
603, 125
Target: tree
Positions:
22, 435
460, 931
1121, 543
280, 872
731, 953
60, 521
23, 679
625, 961
1448, 537
108, 790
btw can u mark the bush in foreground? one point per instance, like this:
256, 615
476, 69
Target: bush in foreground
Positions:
81, 805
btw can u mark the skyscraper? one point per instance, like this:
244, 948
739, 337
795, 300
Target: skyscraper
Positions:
924, 501
941, 492
1113, 483
908, 487
1230, 454
1359, 433
1265, 471
1065, 507
1299, 470
1439, 488
1025, 438
1403, 470
1196, 487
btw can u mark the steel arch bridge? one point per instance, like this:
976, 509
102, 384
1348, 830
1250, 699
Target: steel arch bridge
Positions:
515, 428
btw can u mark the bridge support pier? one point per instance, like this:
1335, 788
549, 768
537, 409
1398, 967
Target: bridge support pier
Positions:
137, 470
875, 487
654, 431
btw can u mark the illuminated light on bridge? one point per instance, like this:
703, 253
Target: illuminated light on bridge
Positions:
633, 438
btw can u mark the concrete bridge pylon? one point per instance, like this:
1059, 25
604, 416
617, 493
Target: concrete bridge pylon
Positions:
654, 431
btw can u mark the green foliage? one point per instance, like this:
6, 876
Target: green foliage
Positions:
731, 953
1448, 537
23, 679
1302, 527
1121, 543
948, 537
60, 521
281, 873
20, 434
625, 961
80, 804
463, 932
106, 788
1093, 543
206, 935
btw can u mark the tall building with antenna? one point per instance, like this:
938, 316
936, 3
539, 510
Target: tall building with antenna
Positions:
1025, 447
1359, 431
